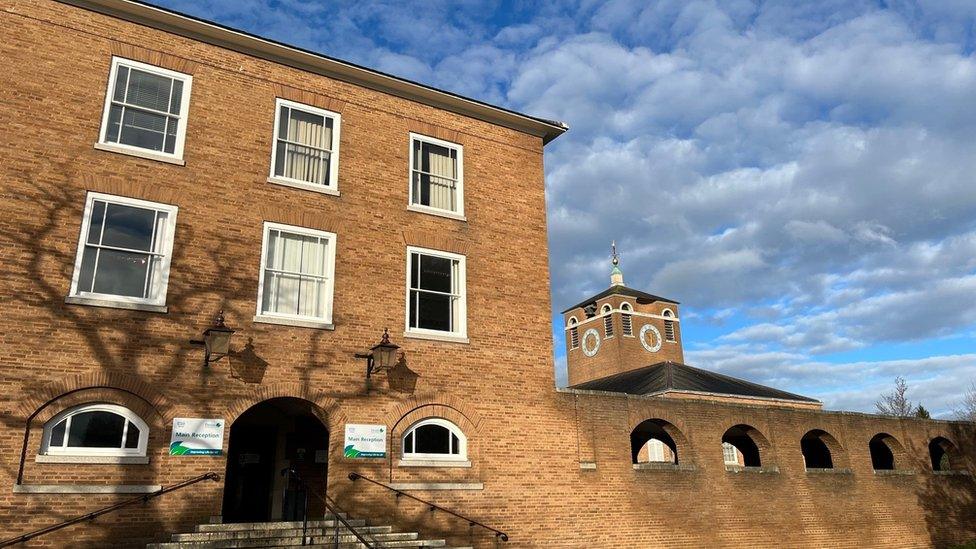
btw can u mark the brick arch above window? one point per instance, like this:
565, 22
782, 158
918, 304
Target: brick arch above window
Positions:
37, 405
153, 57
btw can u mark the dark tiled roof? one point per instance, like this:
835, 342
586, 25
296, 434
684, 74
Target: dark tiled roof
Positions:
665, 376
622, 290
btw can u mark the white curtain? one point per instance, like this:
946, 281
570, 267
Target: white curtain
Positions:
295, 275
441, 165
310, 160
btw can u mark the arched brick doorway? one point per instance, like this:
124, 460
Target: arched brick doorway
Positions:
267, 440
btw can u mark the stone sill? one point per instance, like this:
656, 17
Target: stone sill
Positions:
744, 469
148, 155
588, 465
841, 471
654, 466
114, 304
435, 211
295, 322
432, 463
305, 186
86, 488
93, 460
437, 486
895, 472
953, 473
436, 337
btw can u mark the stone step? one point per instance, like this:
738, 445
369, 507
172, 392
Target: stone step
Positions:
279, 532
284, 525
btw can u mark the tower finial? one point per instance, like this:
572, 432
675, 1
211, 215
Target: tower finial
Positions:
616, 275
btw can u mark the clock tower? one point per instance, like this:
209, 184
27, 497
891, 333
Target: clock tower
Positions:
620, 329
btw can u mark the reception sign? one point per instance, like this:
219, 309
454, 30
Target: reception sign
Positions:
365, 441
197, 437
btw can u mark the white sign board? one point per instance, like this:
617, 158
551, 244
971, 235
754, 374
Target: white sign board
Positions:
196, 437
365, 441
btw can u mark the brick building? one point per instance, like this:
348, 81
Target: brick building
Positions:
158, 169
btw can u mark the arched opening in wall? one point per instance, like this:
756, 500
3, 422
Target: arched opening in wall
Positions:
626, 319
273, 436
942, 453
652, 442
573, 333
668, 325
607, 312
885, 452
739, 447
815, 446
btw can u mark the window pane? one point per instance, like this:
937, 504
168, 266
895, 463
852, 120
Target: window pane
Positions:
87, 272
414, 270
435, 273
433, 311
121, 80
57, 433
129, 227
96, 430
132, 436
114, 124
302, 163
171, 128
432, 439
148, 90
290, 256
309, 129
121, 273
95, 224
455, 444
143, 129
408, 443
176, 97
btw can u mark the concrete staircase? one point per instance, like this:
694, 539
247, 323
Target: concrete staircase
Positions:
321, 535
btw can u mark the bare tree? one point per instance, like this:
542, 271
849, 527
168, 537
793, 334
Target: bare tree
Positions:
896, 403
968, 410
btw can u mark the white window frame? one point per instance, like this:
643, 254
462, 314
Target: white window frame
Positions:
290, 319
459, 214
139, 451
607, 313
730, 451
461, 323
162, 283
332, 187
462, 454
177, 155
655, 451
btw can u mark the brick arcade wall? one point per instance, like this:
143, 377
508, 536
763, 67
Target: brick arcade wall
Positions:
555, 466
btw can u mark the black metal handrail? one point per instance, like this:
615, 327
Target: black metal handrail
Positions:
105, 510
330, 505
433, 506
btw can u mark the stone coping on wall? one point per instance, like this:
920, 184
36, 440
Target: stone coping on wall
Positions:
86, 488
751, 469
438, 486
89, 460
658, 398
662, 466
832, 471
895, 472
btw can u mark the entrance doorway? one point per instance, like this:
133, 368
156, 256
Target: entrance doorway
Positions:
265, 442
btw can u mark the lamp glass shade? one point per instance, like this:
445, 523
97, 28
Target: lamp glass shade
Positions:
384, 355
218, 340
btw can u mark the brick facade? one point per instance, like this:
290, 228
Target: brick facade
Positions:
555, 465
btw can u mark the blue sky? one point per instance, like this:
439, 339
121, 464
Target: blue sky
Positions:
800, 175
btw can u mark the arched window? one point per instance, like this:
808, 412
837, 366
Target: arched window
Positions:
739, 446
626, 320
435, 438
942, 452
815, 446
883, 448
573, 333
96, 429
668, 325
607, 321
652, 442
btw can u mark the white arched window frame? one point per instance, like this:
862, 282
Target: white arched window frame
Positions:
607, 320
573, 333
456, 443
61, 430
626, 319
668, 325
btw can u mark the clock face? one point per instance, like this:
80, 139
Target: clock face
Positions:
591, 342
650, 338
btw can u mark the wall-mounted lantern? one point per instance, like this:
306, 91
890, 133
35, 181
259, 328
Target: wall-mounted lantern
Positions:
381, 356
216, 340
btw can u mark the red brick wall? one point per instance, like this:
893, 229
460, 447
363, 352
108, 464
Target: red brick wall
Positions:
527, 441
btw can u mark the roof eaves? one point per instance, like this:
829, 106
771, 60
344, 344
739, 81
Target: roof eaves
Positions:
307, 60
